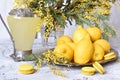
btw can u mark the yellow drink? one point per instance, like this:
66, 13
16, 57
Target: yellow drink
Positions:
23, 30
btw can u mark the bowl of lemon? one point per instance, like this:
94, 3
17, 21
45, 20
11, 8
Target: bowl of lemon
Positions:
85, 47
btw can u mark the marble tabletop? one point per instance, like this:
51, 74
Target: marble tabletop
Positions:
9, 68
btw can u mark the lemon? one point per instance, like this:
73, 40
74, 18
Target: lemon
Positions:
83, 51
64, 39
72, 45
104, 43
64, 50
79, 34
98, 53
95, 33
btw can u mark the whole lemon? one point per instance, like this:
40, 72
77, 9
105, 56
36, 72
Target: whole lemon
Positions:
64, 50
104, 43
64, 39
83, 51
71, 44
98, 53
79, 34
95, 33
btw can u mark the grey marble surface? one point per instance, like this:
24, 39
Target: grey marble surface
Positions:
9, 68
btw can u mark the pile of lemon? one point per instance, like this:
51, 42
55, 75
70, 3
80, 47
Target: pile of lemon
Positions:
87, 45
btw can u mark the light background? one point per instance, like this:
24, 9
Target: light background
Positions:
6, 5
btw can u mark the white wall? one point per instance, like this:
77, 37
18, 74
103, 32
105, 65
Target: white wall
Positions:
6, 5
115, 21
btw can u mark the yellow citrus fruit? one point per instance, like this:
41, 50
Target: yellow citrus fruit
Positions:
79, 34
64, 39
94, 32
83, 51
64, 50
98, 53
71, 44
104, 43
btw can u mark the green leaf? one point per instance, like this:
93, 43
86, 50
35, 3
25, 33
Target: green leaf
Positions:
108, 28
78, 21
104, 36
103, 17
86, 21
60, 20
